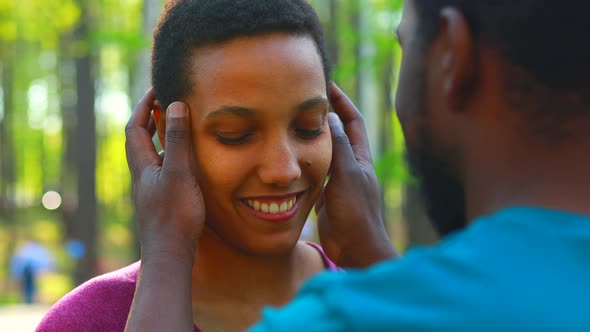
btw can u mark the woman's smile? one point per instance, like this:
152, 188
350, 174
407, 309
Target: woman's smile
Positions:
274, 208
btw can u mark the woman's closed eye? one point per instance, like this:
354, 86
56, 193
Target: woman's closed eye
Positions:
233, 138
242, 137
308, 134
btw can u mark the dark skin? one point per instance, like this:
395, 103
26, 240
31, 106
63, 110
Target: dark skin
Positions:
168, 263
499, 159
497, 154
241, 259
351, 228
222, 279
160, 254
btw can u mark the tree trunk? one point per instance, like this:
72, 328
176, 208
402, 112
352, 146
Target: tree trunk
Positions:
386, 133
386, 128
332, 33
85, 225
7, 169
7, 178
365, 88
141, 82
357, 29
140, 77
69, 171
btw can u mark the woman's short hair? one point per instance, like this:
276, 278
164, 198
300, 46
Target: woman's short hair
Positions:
189, 24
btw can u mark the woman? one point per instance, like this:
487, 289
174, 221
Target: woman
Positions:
253, 75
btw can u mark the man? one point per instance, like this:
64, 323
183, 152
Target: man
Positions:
495, 105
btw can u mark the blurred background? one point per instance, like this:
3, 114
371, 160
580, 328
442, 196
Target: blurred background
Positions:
70, 73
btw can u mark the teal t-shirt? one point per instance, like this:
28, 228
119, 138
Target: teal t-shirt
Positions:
521, 269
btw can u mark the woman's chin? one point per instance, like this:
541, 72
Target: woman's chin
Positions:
259, 237
272, 247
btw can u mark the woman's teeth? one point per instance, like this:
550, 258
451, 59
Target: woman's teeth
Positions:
273, 207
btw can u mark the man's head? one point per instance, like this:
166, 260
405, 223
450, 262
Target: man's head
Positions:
186, 25
481, 79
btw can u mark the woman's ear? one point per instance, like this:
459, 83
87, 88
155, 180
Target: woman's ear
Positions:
160, 119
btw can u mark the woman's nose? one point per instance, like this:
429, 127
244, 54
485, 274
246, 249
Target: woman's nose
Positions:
279, 164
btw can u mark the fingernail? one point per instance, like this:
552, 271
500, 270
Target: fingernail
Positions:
334, 120
176, 110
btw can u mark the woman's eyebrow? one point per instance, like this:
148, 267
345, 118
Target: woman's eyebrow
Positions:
248, 112
311, 103
231, 110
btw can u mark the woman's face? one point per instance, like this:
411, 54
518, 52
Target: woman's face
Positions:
261, 137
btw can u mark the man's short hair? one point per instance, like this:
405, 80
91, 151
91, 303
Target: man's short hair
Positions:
546, 40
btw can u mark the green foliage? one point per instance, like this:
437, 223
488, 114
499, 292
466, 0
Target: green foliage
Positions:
35, 37
37, 20
390, 166
120, 25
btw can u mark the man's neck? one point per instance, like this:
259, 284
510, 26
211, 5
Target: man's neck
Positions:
558, 179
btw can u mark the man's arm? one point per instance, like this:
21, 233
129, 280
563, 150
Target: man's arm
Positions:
170, 213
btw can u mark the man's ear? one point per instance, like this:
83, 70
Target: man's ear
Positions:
160, 119
458, 60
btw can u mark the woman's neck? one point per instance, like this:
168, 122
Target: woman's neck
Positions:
222, 273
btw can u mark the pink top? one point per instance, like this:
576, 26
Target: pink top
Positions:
103, 303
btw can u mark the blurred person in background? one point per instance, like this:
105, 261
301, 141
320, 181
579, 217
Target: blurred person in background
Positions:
27, 263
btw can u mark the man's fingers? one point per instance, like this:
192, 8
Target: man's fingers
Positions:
138, 144
319, 204
178, 141
342, 154
142, 112
151, 127
353, 123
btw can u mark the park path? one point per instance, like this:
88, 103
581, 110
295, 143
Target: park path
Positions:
21, 318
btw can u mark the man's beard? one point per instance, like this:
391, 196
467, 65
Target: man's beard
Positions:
442, 191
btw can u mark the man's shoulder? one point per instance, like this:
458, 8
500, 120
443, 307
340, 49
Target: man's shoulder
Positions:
488, 276
428, 289
102, 303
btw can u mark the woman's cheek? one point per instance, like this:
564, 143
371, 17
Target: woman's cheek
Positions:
226, 168
214, 168
323, 155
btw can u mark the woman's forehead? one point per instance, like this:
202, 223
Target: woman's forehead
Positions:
258, 71
267, 51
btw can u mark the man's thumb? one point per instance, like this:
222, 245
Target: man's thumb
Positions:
177, 159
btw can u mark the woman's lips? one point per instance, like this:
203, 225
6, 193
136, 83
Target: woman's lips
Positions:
277, 209
272, 206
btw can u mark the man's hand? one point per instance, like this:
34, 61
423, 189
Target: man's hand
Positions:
171, 214
351, 226
168, 201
